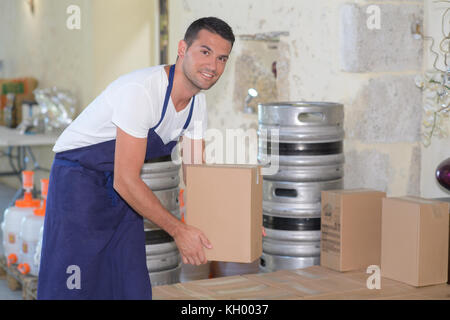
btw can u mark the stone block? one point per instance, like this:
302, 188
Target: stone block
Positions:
414, 172
367, 169
387, 109
369, 46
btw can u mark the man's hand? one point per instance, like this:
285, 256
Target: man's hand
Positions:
190, 242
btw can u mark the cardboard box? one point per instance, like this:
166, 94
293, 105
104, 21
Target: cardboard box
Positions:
351, 229
225, 202
448, 276
23, 88
414, 246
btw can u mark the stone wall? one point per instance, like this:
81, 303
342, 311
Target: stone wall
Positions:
329, 51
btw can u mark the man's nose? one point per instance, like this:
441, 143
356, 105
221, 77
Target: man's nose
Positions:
212, 64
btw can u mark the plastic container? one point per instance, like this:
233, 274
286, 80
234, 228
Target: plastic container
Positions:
37, 255
12, 219
30, 234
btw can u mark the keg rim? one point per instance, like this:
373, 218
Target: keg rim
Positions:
157, 236
292, 224
290, 104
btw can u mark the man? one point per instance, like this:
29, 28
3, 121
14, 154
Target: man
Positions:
94, 243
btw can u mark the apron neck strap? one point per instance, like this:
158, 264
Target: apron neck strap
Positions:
167, 98
168, 92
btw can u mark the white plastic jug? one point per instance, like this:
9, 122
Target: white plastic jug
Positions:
11, 229
30, 234
37, 255
12, 219
29, 238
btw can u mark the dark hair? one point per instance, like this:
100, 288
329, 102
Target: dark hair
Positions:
212, 24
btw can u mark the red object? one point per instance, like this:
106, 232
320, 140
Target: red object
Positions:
443, 174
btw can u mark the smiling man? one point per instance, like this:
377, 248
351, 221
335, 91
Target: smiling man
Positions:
97, 199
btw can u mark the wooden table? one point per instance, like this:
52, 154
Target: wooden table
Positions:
313, 283
19, 151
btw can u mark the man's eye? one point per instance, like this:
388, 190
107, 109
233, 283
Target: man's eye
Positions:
223, 59
205, 52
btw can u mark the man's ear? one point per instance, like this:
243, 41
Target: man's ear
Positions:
182, 47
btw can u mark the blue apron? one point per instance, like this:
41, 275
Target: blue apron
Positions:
94, 242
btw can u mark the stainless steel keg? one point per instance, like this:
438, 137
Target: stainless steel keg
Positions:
163, 257
161, 175
303, 122
307, 140
295, 199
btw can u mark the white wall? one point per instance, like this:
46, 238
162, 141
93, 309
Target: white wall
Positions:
381, 145
115, 37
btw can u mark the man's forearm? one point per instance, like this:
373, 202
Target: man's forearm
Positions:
139, 196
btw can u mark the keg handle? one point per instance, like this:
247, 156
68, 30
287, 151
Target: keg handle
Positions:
311, 117
287, 193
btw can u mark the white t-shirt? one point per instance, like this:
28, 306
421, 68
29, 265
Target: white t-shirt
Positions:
134, 103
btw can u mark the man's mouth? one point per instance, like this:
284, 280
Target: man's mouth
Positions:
207, 75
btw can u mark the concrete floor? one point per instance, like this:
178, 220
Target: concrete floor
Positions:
6, 194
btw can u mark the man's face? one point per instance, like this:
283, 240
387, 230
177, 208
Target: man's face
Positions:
204, 61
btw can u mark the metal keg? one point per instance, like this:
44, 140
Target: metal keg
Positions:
294, 199
308, 173
169, 200
304, 123
272, 262
292, 229
164, 277
163, 257
161, 175
308, 144
295, 239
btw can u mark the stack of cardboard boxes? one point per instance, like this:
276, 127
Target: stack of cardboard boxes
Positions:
405, 240
406, 237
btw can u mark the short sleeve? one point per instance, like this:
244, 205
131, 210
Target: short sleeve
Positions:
132, 109
199, 123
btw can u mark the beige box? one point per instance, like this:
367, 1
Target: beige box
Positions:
225, 202
351, 229
448, 276
414, 246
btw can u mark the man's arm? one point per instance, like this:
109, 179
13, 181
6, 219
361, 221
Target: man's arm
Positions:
129, 158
